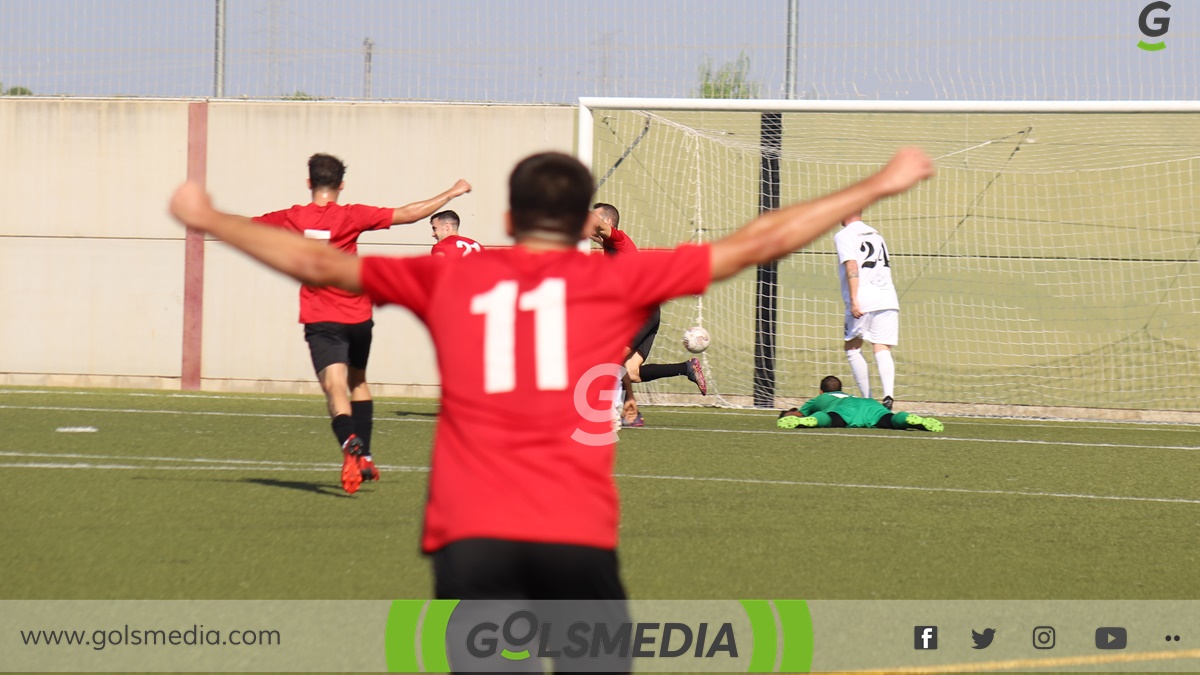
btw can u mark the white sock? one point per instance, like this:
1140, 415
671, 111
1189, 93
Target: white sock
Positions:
887, 371
858, 368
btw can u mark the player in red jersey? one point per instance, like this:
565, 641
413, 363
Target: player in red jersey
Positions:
606, 231
518, 510
449, 242
337, 323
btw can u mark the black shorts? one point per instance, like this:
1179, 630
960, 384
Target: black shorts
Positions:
330, 342
512, 576
497, 569
644, 340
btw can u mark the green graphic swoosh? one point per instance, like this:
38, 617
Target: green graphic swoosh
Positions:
433, 636
796, 622
762, 629
401, 636
515, 656
1151, 46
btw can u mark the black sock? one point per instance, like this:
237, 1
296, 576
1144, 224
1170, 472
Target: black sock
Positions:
363, 413
343, 428
654, 371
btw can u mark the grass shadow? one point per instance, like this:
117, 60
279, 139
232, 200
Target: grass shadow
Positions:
303, 486
415, 413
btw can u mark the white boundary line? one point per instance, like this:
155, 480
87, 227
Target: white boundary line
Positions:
1021, 422
197, 463
208, 413
914, 488
918, 436
296, 398
110, 467
866, 435
205, 464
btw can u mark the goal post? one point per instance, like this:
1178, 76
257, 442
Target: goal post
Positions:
1054, 260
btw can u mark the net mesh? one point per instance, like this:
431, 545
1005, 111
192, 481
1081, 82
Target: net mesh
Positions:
1052, 261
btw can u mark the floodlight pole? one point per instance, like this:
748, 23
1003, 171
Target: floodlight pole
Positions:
219, 53
793, 50
368, 47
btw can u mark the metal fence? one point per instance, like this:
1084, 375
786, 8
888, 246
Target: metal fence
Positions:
552, 51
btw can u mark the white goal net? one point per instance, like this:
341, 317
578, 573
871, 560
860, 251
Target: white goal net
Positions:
1053, 261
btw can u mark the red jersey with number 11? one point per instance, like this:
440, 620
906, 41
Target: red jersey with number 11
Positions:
528, 346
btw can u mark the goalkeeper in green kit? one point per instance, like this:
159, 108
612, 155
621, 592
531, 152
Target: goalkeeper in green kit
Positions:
836, 409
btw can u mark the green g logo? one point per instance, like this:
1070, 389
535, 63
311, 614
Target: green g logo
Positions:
1158, 29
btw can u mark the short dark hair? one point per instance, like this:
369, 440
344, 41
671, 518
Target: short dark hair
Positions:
609, 212
446, 216
325, 171
831, 383
548, 194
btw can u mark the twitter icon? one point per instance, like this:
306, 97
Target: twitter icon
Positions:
983, 640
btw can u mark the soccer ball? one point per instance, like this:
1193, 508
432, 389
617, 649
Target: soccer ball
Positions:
696, 339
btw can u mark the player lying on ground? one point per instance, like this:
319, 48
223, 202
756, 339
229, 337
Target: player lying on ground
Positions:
836, 409
522, 502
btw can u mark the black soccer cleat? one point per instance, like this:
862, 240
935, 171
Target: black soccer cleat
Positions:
366, 466
695, 373
888, 402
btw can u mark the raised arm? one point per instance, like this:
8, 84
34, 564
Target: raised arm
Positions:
776, 233
423, 209
305, 260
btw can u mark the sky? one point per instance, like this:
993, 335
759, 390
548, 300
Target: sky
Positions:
554, 51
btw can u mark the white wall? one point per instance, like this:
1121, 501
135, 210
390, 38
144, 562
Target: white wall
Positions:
93, 268
89, 261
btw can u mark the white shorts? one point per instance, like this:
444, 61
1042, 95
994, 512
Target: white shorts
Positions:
881, 327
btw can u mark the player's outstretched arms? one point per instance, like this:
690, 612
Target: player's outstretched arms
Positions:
777, 233
415, 211
305, 260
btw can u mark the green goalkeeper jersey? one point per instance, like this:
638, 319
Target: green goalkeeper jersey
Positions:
858, 412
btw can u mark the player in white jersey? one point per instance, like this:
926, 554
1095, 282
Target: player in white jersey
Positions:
872, 307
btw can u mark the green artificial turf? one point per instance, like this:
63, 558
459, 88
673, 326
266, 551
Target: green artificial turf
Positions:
207, 496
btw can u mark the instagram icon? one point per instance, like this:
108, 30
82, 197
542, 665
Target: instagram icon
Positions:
1043, 637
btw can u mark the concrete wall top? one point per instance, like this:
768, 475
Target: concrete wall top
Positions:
92, 168
395, 154
84, 170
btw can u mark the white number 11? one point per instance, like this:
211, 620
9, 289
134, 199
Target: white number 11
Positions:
499, 306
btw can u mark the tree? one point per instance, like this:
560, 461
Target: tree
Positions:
731, 80
300, 96
15, 91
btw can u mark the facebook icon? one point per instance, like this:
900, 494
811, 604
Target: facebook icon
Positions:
925, 637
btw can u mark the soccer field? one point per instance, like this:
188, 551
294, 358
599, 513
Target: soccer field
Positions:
208, 496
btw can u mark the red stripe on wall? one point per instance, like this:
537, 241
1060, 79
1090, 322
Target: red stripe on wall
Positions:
193, 256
